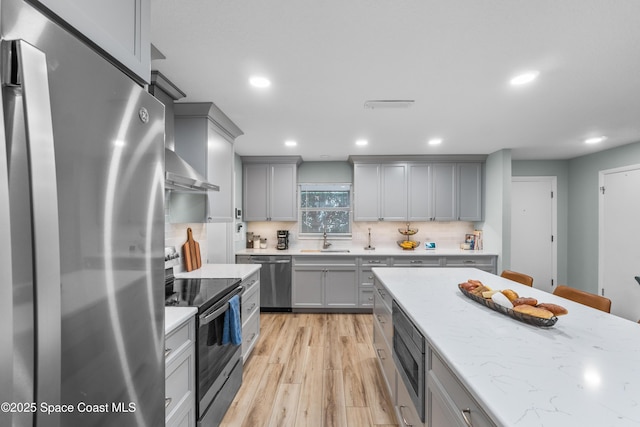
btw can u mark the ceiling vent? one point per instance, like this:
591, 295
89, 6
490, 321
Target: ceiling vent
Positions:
388, 103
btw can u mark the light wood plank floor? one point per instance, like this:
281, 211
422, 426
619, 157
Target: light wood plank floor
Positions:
312, 370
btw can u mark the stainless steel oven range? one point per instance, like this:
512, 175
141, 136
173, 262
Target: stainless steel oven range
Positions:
409, 357
218, 366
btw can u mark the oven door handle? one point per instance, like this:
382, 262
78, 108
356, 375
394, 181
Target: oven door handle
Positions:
208, 318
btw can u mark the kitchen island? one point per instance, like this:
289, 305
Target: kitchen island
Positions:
583, 371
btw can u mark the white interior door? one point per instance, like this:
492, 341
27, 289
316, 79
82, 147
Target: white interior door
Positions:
533, 229
619, 254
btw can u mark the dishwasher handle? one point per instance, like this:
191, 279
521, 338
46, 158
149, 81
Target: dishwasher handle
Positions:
279, 261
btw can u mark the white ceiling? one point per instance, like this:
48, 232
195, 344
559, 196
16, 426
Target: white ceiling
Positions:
453, 57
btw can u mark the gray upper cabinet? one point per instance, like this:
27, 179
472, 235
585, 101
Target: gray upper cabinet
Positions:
269, 188
420, 204
425, 188
469, 191
444, 192
366, 193
380, 192
118, 27
204, 137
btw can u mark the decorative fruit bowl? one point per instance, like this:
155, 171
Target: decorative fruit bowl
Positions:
408, 245
407, 231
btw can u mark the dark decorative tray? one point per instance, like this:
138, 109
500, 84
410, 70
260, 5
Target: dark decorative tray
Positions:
532, 320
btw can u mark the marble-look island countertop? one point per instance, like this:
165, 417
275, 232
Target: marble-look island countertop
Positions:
583, 371
220, 271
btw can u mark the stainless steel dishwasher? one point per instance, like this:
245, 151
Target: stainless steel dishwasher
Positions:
275, 280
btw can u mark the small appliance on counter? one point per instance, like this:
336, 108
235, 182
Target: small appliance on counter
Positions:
283, 239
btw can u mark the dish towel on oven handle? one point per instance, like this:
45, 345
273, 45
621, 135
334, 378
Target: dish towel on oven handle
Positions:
232, 329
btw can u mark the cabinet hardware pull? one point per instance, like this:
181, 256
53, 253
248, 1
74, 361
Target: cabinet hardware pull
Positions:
415, 261
466, 419
376, 261
167, 351
404, 420
469, 261
252, 307
380, 319
381, 356
167, 402
370, 277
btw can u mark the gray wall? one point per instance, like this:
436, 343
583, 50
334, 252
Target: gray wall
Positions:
578, 208
497, 200
325, 172
583, 211
559, 169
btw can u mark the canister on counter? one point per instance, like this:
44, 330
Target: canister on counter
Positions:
263, 243
256, 241
249, 239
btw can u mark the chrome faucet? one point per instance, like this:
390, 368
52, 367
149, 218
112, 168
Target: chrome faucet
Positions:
325, 244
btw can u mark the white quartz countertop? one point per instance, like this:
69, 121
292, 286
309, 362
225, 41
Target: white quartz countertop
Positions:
583, 371
174, 317
220, 271
358, 250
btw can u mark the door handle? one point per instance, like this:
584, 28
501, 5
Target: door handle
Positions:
27, 75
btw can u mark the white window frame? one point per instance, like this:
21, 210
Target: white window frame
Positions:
329, 186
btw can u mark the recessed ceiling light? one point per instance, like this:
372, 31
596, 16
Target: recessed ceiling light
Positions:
595, 140
290, 143
524, 78
435, 141
259, 82
362, 142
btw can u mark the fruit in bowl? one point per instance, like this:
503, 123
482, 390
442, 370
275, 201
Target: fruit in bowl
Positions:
408, 244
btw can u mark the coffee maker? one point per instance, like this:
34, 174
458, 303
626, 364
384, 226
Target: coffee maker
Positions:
283, 240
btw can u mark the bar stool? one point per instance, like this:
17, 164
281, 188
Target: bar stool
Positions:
517, 277
582, 297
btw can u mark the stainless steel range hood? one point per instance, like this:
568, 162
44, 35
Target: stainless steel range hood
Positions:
180, 175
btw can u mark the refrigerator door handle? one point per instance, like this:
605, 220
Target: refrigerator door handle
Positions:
30, 72
6, 285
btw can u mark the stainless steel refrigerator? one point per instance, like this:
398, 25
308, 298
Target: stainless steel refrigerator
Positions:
81, 233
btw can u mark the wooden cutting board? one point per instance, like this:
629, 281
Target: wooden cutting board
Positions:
191, 253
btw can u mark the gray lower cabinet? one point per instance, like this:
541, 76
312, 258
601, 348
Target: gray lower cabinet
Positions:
250, 313
405, 409
325, 282
346, 281
448, 402
180, 375
365, 278
383, 336
417, 261
483, 262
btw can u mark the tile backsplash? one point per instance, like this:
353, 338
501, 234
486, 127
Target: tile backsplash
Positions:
446, 234
176, 235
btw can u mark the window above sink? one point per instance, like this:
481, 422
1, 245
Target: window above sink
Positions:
325, 208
